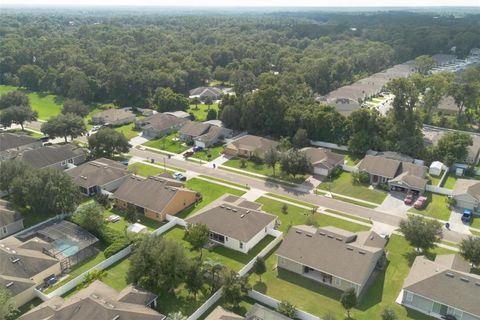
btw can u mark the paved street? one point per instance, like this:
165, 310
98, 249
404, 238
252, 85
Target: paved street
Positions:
267, 186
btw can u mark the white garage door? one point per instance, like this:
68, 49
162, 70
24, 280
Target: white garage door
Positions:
465, 204
199, 144
320, 171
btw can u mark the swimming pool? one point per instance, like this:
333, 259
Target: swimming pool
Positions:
66, 247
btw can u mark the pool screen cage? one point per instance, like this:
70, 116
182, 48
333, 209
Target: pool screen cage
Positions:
67, 242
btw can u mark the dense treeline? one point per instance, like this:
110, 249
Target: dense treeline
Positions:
125, 58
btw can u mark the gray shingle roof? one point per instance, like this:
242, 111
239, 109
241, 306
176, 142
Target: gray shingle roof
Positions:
113, 115
323, 157
162, 122
97, 172
444, 284
27, 263
233, 221
335, 251
11, 140
380, 166
194, 129
251, 143
49, 155
466, 186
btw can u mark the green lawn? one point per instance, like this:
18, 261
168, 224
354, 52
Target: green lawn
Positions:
210, 191
122, 224
224, 181
128, 131
450, 181
146, 170
344, 185
26, 132
320, 300
168, 143
340, 213
27, 307
291, 200
200, 111
263, 169
350, 159
117, 274
47, 105
213, 152
437, 207
180, 300
297, 215
232, 259
435, 180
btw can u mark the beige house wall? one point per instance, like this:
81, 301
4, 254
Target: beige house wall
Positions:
24, 297
182, 200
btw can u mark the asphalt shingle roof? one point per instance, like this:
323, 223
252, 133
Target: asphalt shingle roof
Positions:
49, 155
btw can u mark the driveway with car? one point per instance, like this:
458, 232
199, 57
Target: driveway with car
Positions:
394, 204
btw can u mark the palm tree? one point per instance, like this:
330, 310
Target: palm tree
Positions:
212, 269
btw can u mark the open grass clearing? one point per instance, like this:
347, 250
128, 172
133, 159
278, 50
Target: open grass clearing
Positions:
350, 216
296, 215
117, 274
302, 203
200, 111
224, 181
122, 224
268, 179
319, 299
26, 132
169, 143
128, 130
344, 185
146, 170
214, 153
437, 207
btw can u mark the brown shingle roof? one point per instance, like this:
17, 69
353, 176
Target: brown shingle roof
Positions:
97, 172
194, 129
251, 143
324, 158
113, 115
11, 140
162, 122
49, 155
470, 187
331, 250
380, 166
445, 285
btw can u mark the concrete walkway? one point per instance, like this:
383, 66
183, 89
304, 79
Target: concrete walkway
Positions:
136, 141
253, 194
218, 161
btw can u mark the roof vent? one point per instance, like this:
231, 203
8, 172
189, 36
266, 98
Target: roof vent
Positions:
449, 274
348, 248
116, 317
228, 208
322, 233
8, 285
94, 296
477, 284
330, 236
362, 252
464, 279
14, 252
234, 210
248, 211
222, 206
339, 239
298, 231
308, 235
242, 216
2, 245
14, 260
108, 304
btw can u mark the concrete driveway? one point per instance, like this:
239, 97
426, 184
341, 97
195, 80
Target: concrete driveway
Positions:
393, 204
456, 223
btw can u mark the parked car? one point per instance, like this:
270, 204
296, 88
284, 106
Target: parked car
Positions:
467, 216
420, 203
188, 154
408, 199
179, 176
44, 138
124, 162
96, 128
197, 149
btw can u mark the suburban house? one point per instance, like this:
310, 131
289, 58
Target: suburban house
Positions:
10, 220
332, 256
160, 124
324, 161
466, 193
249, 145
202, 134
235, 223
55, 156
114, 117
180, 114
11, 144
99, 175
204, 93
100, 302
154, 197
256, 312
400, 175
432, 135
442, 287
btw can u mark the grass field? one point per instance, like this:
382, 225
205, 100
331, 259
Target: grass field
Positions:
26, 132
344, 185
297, 215
450, 181
117, 274
128, 131
213, 152
437, 207
320, 300
145, 170
350, 216
210, 191
200, 111
122, 224
47, 105
224, 181
168, 143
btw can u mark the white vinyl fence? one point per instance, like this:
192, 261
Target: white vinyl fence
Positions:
328, 145
278, 238
206, 305
439, 190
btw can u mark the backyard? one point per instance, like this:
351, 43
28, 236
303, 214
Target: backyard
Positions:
437, 207
121, 225
296, 215
201, 110
47, 105
344, 185
168, 143
321, 300
450, 181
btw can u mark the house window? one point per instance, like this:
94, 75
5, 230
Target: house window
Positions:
70, 160
4, 230
338, 282
63, 163
226, 238
241, 245
408, 296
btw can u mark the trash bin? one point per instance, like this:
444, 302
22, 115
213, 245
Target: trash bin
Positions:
152, 160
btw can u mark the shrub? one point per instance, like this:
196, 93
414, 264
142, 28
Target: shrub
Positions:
286, 308
311, 221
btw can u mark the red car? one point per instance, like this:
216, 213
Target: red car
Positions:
420, 203
408, 199
188, 154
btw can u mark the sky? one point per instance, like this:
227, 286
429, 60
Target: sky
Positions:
247, 3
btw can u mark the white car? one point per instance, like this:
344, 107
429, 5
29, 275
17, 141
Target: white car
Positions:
96, 128
180, 177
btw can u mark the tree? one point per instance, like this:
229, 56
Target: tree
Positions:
76, 107
243, 81
176, 316
167, 100
235, 288
260, 267
194, 278
287, 309
211, 114
389, 314
368, 131
14, 98
90, 217
7, 305
196, 101
424, 64
30, 76
131, 213
158, 263
10, 170
212, 270
107, 142
295, 162
198, 236
17, 115
470, 250
64, 125
348, 300
300, 139
285, 208
284, 144
271, 158
208, 102
453, 147
230, 116
421, 233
